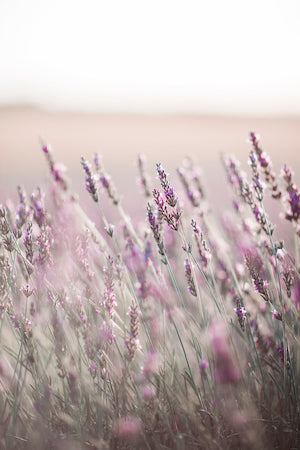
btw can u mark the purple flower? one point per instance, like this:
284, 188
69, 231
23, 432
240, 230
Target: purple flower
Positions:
90, 180
276, 315
189, 278
154, 225
132, 343
266, 165
241, 313
171, 217
143, 179
292, 199
127, 427
203, 364
168, 190
225, 371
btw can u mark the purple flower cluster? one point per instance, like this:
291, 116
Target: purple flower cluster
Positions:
203, 251
23, 210
109, 299
105, 181
170, 196
192, 194
225, 371
39, 212
155, 226
57, 170
256, 183
28, 243
266, 166
260, 285
292, 199
90, 180
242, 188
132, 343
171, 217
143, 179
241, 313
189, 278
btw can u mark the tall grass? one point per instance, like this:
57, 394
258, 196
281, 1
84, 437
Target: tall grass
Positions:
179, 331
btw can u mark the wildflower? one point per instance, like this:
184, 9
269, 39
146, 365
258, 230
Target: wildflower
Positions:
266, 166
96, 160
280, 350
28, 243
105, 181
39, 213
288, 275
107, 333
93, 369
8, 243
57, 170
235, 176
23, 209
238, 179
27, 291
110, 229
203, 364
225, 371
168, 190
4, 226
148, 392
276, 315
256, 183
109, 300
154, 225
44, 242
132, 343
127, 427
192, 194
203, 251
172, 218
81, 249
241, 313
90, 180
143, 179
190, 279
260, 285
292, 199
5, 273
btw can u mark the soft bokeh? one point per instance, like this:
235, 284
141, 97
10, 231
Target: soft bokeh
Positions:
167, 79
119, 138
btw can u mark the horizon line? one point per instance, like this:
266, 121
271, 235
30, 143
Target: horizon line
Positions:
138, 111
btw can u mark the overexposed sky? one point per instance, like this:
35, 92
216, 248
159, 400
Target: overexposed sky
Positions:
231, 56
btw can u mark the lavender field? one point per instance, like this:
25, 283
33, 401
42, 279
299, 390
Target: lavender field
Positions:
175, 327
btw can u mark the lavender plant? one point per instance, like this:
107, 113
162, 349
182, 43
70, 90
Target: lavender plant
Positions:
181, 333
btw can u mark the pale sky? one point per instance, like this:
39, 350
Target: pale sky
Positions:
213, 56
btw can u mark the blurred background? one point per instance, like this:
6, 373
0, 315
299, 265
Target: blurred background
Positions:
166, 78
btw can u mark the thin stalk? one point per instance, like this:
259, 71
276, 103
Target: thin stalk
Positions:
281, 301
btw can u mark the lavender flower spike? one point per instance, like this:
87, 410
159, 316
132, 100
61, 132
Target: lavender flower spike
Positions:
132, 343
172, 218
143, 178
155, 229
292, 199
189, 278
168, 190
256, 183
89, 179
266, 165
241, 313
